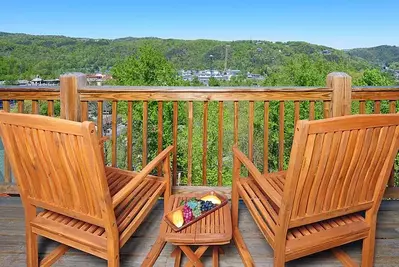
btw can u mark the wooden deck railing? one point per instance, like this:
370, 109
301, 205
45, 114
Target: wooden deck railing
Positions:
260, 120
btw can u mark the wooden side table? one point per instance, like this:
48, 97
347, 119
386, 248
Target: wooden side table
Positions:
213, 231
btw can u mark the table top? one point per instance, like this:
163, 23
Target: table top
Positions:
214, 229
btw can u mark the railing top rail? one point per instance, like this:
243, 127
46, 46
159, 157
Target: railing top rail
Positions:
174, 89
374, 88
39, 88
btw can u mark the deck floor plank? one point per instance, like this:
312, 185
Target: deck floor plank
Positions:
12, 242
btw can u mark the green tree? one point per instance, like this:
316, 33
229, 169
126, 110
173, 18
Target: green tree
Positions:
374, 77
148, 67
213, 82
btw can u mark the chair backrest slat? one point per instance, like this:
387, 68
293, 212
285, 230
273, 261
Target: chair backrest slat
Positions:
56, 164
345, 164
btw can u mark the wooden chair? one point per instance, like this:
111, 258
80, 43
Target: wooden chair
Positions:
331, 192
58, 167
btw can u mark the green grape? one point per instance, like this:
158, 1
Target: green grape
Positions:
197, 211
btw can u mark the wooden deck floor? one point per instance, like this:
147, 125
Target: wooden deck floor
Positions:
12, 242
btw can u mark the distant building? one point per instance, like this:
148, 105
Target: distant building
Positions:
97, 79
36, 81
204, 75
326, 52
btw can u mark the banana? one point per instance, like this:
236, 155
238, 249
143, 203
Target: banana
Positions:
177, 218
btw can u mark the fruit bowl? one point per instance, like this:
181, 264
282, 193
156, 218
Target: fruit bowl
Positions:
194, 209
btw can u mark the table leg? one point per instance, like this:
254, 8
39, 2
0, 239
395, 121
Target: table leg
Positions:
199, 252
215, 256
177, 254
194, 257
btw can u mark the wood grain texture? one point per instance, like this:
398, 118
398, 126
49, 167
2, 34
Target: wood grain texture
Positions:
21, 105
265, 137
341, 84
69, 95
235, 122
362, 107
311, 110
338, 168
205, 143
175, 122
145, 133
50, 108
251, 116
377, 106
35, 107
190, 143
160, 132
114, 132
281, 136
129, 135
220, 144
84, 106
7, 166
59, 168
135, 251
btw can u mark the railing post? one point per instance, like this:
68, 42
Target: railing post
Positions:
69, 95
341, 85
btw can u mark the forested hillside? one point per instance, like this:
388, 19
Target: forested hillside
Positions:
380, 55
24, 56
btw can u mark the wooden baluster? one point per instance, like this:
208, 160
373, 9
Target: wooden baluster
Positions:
326, 109
7, 166
114, 133
175, 117
205, 143
20, 106
391, 181
281, 136
265, 137
100, 119
251, 115
145, 130
160, 132
84, 106
392, 106
129, 134
235, 122
220, 145
50, 108
100, 127
377, 107
296, 112
311, 110
35, 107
190, 143
362, 107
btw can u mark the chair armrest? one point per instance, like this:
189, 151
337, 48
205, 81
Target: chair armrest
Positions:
264, 184
129, 187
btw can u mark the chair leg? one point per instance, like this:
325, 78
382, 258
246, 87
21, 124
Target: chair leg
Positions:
279, 262
32, 254
113, 262
368, 249
113, 258
242, 248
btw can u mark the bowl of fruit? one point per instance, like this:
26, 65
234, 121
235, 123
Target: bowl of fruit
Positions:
194, 209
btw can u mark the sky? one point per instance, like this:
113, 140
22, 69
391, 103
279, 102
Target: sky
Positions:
341, 24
